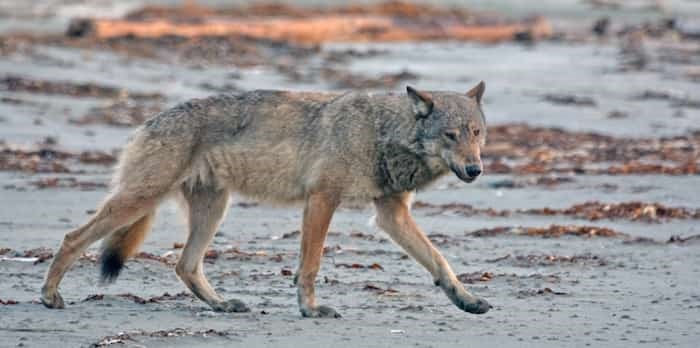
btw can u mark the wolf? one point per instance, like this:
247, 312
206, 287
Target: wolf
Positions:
319, 149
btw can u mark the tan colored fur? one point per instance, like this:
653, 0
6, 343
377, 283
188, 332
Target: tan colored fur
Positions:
319, 148
128, 240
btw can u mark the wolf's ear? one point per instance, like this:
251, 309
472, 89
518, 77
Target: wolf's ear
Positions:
477, 92
421, 102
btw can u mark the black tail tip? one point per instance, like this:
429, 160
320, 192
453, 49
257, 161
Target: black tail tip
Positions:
112, 264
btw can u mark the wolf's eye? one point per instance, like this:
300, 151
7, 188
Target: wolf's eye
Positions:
451, 135
477, 132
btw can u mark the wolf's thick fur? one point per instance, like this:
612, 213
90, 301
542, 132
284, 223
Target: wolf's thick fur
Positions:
320, 148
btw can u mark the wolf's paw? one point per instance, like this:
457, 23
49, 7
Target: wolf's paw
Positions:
319, 312
231, 306
52, 299
480, 306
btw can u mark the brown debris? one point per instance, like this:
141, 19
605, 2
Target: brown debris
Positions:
491, 232
378, 290
150, 256
8, 302
365, 236
498, 259
236, 254
47, 159
168, 297
478, 277
291, 235
202, 51
89, 256
211, 255
539, 292
593, 211
198, 52
140, 300
42, 254
131, 297
522, 149
635, 211
634, 167
124, 337
189, 11
12, 83
548, 260
96, 157
95, 297
390, 21
42, 160
471, 278
458, 208
553, 231
374, 266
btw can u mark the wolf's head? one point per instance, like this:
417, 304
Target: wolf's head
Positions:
453, 128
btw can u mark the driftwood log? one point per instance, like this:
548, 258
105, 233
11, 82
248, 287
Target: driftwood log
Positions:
316, 29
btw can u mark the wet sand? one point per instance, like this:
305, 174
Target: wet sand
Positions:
583, 231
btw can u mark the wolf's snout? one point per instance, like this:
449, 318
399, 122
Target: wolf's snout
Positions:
473, 170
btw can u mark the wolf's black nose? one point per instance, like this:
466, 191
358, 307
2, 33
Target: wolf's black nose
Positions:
473, 170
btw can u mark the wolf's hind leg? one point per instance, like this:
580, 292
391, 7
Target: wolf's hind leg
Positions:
119, 211
394, 217
206, 208
317, 217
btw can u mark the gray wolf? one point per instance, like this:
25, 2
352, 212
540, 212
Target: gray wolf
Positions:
318, 148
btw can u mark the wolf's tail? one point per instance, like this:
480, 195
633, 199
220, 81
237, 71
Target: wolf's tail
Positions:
156, 161
122, 244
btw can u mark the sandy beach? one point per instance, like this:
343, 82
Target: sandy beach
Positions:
582, 232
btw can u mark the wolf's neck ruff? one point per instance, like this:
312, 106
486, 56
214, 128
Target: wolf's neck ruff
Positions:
401, 164
399, 169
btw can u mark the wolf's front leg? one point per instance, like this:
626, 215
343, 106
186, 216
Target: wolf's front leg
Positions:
394, 217
317, 216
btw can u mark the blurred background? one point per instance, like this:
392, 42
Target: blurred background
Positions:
585, 220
